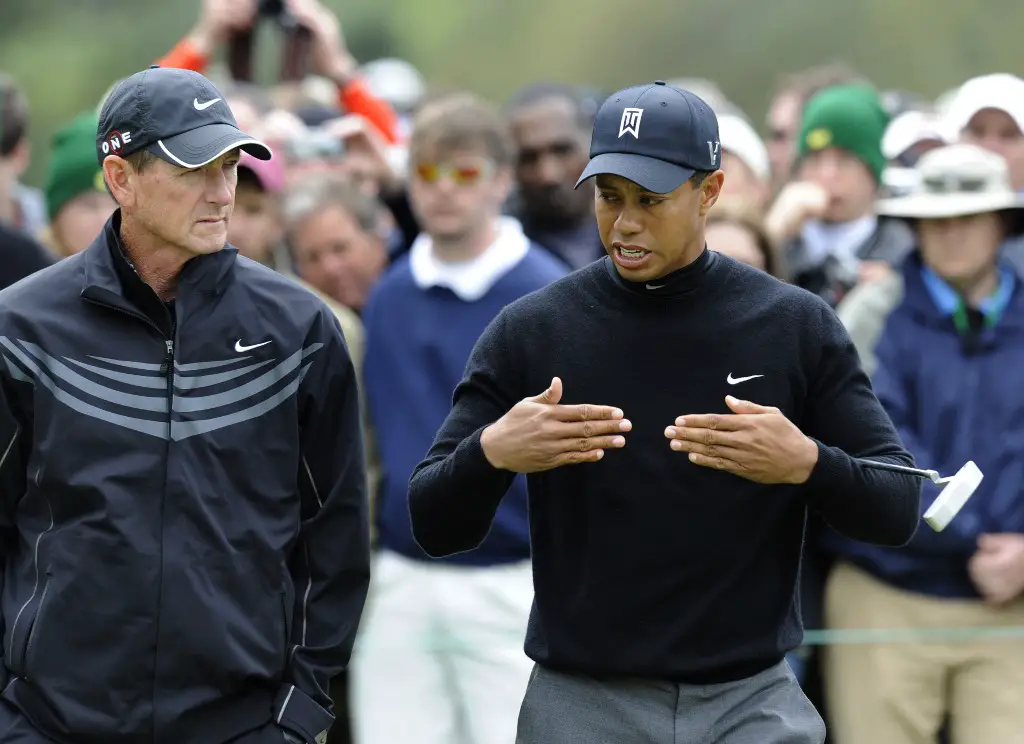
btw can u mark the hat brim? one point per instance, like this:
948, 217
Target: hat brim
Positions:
945, 206
650, 174
198, 147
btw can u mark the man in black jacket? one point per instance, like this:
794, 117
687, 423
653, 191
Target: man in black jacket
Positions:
666, 516
182, 480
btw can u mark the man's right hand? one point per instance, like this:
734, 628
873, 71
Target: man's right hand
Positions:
539, 434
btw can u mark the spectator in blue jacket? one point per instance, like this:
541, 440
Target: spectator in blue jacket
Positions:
944, 342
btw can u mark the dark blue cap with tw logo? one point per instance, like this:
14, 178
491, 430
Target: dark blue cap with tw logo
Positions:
654, 135
177, 115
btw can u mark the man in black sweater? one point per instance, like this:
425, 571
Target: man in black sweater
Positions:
665, 569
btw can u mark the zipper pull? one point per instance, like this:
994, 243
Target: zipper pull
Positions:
168, 366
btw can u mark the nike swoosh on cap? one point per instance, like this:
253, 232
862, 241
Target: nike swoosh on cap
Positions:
203, 106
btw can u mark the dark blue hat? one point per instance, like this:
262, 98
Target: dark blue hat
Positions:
654, 135
177, 115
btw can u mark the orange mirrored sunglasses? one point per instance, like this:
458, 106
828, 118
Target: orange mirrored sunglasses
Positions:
462, 175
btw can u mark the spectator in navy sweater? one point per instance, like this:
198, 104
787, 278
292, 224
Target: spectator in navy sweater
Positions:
944, 342
440, 657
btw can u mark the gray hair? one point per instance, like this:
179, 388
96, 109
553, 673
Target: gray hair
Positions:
319, 192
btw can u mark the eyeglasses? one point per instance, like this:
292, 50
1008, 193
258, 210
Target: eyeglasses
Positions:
466, 174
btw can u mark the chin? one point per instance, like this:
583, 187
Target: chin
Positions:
447, 227
206, 245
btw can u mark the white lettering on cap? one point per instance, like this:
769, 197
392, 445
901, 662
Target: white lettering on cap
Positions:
713, 151
115, 142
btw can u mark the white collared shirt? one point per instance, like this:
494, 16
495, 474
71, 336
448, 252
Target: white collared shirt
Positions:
470, 280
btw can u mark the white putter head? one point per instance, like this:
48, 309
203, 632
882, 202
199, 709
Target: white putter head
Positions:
955, 492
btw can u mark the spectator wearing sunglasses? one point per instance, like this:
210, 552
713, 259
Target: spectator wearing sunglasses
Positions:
440, 659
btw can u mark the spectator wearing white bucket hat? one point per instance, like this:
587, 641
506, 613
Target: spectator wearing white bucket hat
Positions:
941, 339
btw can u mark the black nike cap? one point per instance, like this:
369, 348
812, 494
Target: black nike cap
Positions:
655, 135
178, 115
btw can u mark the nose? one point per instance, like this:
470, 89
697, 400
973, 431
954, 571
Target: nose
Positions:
628, 222
220, 186
549, 170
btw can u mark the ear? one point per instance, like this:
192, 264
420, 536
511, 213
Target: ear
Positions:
20, 157
710, 190
121, 179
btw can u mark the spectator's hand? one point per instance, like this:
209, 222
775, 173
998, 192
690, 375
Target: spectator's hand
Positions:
539, 434
218, 20
331, 57
796, 203
757, 443
997, 568
873, 271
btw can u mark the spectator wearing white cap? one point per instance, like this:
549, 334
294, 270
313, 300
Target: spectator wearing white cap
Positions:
744, 160
908, 136
989, 111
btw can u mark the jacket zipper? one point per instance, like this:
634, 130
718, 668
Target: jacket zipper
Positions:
168, 369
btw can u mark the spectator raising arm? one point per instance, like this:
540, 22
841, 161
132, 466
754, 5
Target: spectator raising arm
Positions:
219, 19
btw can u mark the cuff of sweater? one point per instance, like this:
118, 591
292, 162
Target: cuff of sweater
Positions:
470, 456
829, 476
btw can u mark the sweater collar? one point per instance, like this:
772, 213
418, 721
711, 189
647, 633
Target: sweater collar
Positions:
676, 284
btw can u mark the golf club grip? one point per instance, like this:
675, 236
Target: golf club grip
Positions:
894, 468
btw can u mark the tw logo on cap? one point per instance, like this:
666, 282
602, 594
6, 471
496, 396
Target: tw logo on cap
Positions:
115, 142
630, 123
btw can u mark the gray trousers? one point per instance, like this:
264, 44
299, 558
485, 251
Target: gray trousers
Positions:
768, 708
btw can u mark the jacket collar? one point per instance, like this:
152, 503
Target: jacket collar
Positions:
110, 278
922, 302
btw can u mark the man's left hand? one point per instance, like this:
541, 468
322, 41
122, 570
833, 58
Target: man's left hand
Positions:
755, 442
997, 568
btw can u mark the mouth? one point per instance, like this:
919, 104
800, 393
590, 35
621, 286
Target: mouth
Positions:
630, 256
211, 221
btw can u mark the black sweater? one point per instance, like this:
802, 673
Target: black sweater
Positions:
646, 565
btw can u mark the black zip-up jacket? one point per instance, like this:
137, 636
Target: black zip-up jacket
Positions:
182, 497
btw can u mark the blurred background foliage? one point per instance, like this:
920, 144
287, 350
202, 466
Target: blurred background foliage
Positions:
66, 53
